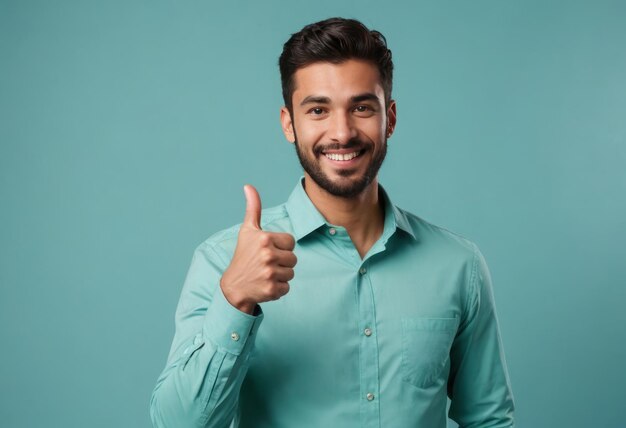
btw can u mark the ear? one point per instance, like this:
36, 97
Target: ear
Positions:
391, 118
287, 125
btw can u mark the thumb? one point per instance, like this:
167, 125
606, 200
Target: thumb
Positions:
253, 207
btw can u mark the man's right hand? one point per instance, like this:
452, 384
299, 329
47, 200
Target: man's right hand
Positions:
263, 261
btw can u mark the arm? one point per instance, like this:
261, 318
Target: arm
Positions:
200, 384
216, 324
479, 386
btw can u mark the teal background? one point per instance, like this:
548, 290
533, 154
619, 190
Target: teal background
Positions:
128, 129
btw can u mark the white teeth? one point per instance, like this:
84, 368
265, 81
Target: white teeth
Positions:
340, 157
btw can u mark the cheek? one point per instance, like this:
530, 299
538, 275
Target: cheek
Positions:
375, 130
309, 132
372, 124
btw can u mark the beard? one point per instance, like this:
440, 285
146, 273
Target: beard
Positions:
347, 188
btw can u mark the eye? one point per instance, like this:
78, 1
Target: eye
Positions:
316, 111
364, 110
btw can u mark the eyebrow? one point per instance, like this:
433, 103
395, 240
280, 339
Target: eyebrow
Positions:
368, 96
313, 99
316, 99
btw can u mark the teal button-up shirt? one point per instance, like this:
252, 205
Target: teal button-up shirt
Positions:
375, 342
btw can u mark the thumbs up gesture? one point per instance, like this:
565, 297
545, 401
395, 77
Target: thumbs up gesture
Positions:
263, 261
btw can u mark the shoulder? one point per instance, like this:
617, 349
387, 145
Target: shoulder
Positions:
447, 253
439, 240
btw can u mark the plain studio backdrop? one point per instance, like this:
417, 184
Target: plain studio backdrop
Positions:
128, 129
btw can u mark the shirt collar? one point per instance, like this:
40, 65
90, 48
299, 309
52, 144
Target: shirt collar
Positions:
305, 218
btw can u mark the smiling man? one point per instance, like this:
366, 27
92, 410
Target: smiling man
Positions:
336, 308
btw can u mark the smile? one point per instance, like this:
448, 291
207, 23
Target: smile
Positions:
343, 156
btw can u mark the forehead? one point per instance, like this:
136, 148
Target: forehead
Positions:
337, 81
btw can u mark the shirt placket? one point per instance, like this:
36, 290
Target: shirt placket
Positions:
368, 350
366, 329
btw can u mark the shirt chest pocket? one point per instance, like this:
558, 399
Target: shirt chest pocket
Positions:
426, 344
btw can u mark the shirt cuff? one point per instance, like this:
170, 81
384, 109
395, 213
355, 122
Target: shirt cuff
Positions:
228, 327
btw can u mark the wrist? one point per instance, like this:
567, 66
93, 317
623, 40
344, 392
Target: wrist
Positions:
238, 301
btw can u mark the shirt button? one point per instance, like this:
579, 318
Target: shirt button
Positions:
362, 271
367, 331
234, 336
369, 396
332, 231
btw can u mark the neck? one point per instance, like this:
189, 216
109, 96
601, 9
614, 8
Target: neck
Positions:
361, 215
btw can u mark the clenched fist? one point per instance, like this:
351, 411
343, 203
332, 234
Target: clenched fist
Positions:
263, 261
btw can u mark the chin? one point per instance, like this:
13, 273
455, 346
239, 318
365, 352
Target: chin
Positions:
342, 186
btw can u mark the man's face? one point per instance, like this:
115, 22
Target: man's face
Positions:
340, 124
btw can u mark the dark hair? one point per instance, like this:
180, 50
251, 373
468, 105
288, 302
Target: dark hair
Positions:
334, 40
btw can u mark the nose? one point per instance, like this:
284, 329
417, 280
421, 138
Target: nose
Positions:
342, 128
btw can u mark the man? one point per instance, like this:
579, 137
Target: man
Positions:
336, 308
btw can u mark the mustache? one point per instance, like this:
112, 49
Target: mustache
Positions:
353, 143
